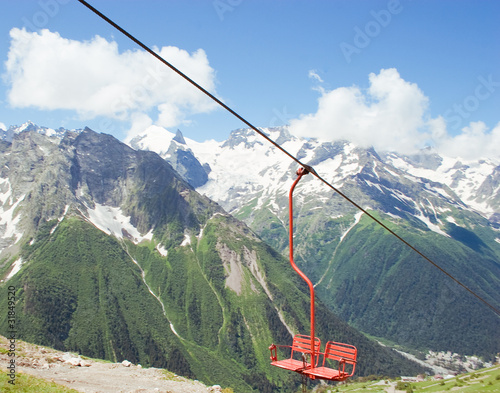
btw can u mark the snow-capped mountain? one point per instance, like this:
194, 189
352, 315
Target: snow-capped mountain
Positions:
7, 135
246, 167
174, 149
475, 182
360, 271
447, 207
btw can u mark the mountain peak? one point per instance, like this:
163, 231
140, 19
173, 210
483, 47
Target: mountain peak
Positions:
179, 137
29, 126
154, 138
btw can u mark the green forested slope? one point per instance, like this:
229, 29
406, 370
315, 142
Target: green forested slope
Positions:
387, 290
82, 292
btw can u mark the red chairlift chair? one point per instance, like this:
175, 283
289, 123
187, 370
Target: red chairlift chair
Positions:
309, 346
301, 347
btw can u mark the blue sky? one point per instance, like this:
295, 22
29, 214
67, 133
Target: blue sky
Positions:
396, 74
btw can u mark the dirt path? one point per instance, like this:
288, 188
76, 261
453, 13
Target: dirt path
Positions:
91, 376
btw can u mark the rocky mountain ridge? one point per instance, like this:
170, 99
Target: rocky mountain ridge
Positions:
475, 183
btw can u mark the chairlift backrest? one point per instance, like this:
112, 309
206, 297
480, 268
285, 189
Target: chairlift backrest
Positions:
343, 353
302, 343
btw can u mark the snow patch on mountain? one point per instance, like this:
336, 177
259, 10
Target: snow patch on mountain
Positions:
451, 219
186, 241
154, 138
60, 219
403, 198
357, 217
9, 219
162, 250
148, 236
112, 221
16, 267
5, 190
433, 227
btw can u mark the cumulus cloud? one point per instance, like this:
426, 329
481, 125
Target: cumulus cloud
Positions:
388, 115
47, 71
139, 122
474, 142
3, 126
392, 115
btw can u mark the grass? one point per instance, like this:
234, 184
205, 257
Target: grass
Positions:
486, 380
27, 383
480, 381
170, 376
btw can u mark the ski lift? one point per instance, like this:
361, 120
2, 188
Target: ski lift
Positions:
305, 349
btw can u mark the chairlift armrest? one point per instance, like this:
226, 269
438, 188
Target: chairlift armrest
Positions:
273, 349
274, 356
342, 366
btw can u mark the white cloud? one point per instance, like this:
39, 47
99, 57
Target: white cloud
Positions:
314, 75
3, 126
391, 115
47, 71
474, 142
139, 122
388, 115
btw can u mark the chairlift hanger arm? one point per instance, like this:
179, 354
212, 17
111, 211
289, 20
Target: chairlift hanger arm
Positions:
301, 172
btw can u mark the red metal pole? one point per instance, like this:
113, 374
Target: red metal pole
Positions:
301, 172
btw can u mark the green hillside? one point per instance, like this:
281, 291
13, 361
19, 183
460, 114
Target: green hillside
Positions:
480, 381
379, 285
387, 290
82, 292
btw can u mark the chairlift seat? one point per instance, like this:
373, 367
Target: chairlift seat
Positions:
301, 344
341, 353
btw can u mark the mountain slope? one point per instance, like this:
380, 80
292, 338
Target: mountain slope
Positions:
113, 255
446, 207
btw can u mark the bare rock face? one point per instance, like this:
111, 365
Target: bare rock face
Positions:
48, 177
177, 153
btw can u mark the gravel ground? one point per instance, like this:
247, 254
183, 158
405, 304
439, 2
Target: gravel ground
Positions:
91, 376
